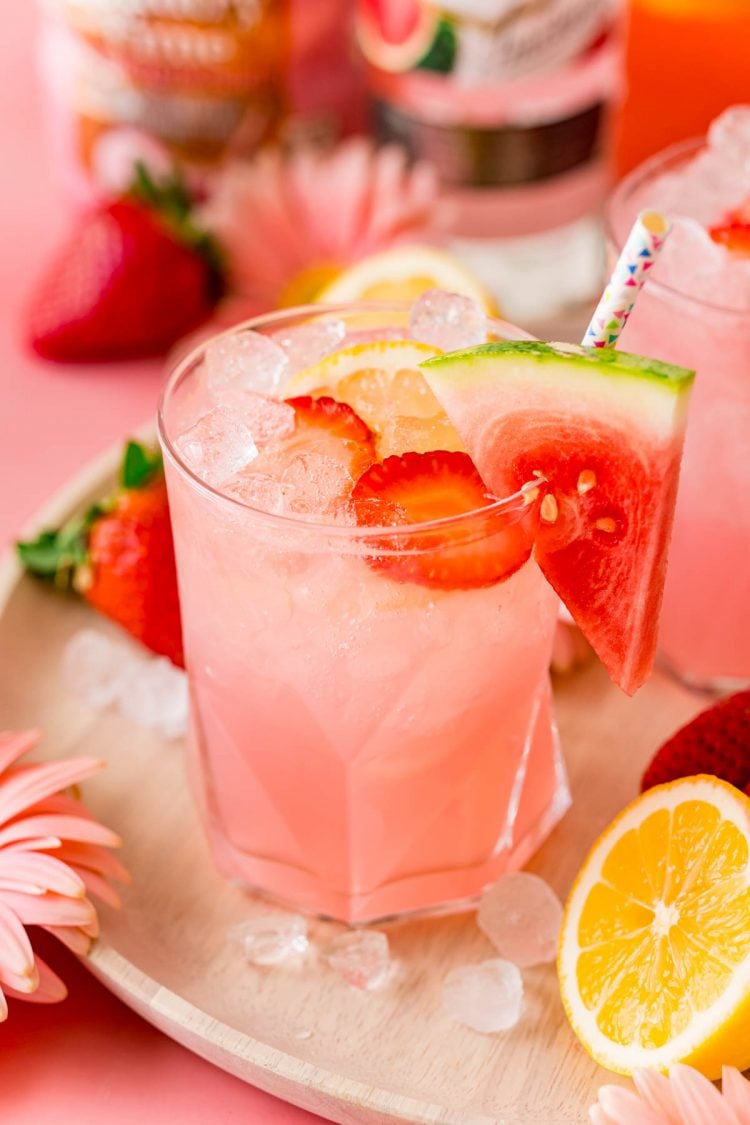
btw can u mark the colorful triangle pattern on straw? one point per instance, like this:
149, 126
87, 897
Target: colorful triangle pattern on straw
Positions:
638, 255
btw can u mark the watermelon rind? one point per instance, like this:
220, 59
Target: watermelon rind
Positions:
441, 56
648, 392
610, 361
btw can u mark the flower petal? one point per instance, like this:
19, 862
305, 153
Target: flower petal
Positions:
345, 195
100, 888
50, 989
13, 744
38, 844
58, 803
698, 1099
41, 871
50, 909
625, 1106
91, 928
16, 953
656, 1091
71, 936
21, 787
93, 858
736, 1091
65, 827
599, 1117
19, 985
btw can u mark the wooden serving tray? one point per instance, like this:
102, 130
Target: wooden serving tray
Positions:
300, 1032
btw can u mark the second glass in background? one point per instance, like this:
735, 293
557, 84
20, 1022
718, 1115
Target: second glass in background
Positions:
704, 635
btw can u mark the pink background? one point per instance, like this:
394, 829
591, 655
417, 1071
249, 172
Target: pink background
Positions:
88, 1058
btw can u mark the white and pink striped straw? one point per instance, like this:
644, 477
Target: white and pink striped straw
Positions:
638, 255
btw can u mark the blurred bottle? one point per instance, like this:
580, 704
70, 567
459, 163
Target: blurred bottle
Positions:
325, 95
512, 101
687, 60
198, 77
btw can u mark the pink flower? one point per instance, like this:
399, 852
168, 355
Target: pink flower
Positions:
684, 1098
290, 222
52, 856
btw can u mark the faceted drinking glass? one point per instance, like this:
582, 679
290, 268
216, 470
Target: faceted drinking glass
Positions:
362, 745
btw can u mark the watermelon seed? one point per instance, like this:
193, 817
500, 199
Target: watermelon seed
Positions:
586, 481
606, 523
548, 511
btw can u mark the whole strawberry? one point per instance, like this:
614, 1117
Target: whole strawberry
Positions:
120, 556
136, 275
717, 742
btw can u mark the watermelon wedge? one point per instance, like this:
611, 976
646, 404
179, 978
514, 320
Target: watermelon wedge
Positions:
605, 431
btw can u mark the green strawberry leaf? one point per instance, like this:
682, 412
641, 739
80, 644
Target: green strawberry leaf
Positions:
139, 465
170, 197
41, 556
56, 554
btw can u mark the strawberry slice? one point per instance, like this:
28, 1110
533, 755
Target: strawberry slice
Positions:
332, 427
418, 488
734, 232
735, 236
717, 741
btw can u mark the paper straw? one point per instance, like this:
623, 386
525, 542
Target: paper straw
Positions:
638, 255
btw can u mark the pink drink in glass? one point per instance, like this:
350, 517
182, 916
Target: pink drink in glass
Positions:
363, 745
697, 313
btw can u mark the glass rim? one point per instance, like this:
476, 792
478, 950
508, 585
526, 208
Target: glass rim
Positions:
517, 501
640, 175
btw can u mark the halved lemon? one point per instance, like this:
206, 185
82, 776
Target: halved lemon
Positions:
654, 958
381, 381
403, 273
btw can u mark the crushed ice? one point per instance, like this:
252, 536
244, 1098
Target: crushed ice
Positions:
361, 958
103, 673
486, 997
269, 939
448, 321
521, 916
217, 446
306, 344
729, 134
247, 361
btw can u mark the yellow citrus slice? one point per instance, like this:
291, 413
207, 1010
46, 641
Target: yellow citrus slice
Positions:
654, 958
381, 381
403, 273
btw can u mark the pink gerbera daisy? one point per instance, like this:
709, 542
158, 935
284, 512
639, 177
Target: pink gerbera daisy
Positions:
52, 856
684, 1098
289, 222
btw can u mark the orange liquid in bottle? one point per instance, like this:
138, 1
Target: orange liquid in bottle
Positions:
686, 61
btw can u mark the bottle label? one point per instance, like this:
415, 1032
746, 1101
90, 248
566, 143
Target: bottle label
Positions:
479, 42
466, 156
117, 14
193, 46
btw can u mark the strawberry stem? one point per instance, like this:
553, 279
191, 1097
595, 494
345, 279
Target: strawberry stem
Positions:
171, 199
139, 465
56, 554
